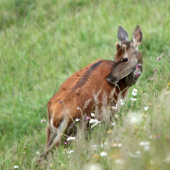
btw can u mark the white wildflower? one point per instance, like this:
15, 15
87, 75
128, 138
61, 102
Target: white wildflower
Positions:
167, 93
115, 107
134, 93
134, 118
92, 115
119, 145
138, 152
114, 144
102, 154
113, 124
77, 119
119, 161
146, 108
146, 148
70, 152
144, 143
78, 108
147, 143
92, 166
70, 138
16, 166
133, 99
94, 121
37, 153
104, 144
116, 116
122, 102
43, 121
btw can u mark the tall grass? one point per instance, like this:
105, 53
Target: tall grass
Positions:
43, 42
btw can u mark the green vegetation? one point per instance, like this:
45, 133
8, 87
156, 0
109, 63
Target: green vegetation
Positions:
43, 42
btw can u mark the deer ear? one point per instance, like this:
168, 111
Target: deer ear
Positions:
122, 35
117, 46
137, 37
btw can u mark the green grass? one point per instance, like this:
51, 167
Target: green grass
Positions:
43, 42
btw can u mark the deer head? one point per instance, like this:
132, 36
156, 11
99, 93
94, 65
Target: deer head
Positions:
128, 59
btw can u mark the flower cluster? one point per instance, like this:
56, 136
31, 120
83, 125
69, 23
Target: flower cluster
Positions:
134, 93
146, 145
118, 145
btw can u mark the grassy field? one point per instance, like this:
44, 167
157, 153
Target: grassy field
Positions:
43, 42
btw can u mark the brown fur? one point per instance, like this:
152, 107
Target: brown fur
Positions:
73, 98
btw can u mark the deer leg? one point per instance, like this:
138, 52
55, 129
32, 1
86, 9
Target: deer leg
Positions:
53, 139
50, 137
51, 145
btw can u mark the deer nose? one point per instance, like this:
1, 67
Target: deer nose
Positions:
109, 80
112, 80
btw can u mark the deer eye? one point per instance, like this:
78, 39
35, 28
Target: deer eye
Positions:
125, 60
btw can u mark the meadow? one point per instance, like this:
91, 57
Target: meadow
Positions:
43, 42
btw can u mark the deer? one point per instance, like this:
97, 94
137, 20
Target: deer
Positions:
105, 76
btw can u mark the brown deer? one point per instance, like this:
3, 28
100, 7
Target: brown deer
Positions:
102, 75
